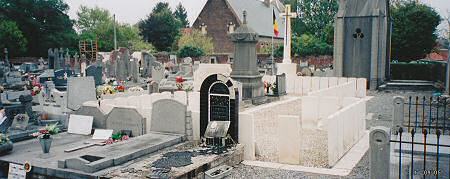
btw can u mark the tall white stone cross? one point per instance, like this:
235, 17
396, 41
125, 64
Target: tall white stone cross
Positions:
287, 33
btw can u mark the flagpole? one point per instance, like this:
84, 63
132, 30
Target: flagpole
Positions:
273, 59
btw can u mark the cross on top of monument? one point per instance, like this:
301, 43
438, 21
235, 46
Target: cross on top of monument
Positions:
287, 34
288, 13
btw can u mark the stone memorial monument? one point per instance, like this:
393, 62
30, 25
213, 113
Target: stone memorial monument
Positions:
51, 59
245, 69
287, 67
360, 40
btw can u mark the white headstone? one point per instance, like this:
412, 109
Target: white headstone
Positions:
102, 134
79, 124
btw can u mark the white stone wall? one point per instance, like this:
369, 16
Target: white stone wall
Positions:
306, 85
205, 70
324, 123
144, 102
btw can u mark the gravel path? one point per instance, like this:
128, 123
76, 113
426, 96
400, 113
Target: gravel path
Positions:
381, 106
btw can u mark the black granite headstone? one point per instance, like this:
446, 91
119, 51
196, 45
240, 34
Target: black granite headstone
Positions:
96, 72
61, 77
219, 102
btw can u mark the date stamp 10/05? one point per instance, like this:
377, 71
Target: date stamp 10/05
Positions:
431, 172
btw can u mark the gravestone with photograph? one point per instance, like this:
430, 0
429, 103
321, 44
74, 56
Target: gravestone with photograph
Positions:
219, 102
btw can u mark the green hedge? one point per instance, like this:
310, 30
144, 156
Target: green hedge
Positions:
416, 71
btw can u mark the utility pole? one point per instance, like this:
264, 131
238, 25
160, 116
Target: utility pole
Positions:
447, 74
115, 35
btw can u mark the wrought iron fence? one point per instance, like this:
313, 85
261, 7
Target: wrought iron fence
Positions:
430, 164
419, 140
429, 113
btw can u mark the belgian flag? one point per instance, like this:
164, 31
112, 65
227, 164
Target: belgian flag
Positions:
275, 24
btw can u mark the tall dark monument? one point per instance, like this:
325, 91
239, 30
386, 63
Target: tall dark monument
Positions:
245, 69
361, 44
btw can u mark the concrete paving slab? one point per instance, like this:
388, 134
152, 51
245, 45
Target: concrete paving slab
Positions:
118, 153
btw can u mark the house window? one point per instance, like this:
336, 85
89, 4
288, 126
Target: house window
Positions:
203, 28
213, 60
230, 27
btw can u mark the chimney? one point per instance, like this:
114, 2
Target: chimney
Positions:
267, 2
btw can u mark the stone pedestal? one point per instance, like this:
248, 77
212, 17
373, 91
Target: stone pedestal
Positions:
245, 69
290, 69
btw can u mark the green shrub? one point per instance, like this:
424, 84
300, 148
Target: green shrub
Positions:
190, 51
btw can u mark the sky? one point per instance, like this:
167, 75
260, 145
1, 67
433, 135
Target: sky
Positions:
131, 11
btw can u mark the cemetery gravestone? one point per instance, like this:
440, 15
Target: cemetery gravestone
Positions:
80, 90
66, 61
96, 112
146, 64
20, 122
134, 70
122, 68
120, 119
169, 116
218, 102
153, 87
51, 59
79, 124
102, 134
83, 62
61, 77
157, 72
61, 58
96, 72
26, 101
281, 84
56, 61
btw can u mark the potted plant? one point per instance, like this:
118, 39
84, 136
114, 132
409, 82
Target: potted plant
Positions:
5, 144
45, 136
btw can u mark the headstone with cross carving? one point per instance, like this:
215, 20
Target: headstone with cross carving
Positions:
360, 42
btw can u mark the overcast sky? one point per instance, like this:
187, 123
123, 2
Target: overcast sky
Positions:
131, 11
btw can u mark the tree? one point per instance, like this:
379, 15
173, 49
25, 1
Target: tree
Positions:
298, 26
44, 23
181, 14
318, 17
414, 30
306, 45
196, 39
98, 24
92, 18
190, 51
12, 38
161, 28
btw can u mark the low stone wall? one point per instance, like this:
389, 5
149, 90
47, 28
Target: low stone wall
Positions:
305, 85
258, 128
143, 103
328, 121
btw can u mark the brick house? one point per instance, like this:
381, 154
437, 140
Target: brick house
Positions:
219, 18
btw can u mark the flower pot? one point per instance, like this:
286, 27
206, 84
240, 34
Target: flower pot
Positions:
46, 144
